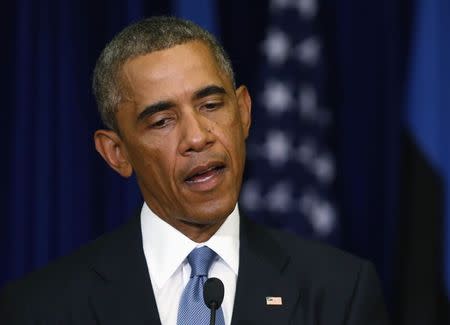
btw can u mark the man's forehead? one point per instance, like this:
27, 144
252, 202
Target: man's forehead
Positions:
190, 64
180, 52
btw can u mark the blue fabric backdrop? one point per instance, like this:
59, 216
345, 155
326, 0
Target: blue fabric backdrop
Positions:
57, 192
428, 101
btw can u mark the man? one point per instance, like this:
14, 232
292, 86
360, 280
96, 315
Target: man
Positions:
174, 117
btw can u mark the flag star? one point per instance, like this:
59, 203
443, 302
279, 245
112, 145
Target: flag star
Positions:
307, 8
277, 97
277, 148
308, 50
324, 168
276, 46
308, 102
323, 218
251, 197
279, 198
320, 213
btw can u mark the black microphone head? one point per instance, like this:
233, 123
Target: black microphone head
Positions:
213, 293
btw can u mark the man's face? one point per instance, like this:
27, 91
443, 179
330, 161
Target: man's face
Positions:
182, 130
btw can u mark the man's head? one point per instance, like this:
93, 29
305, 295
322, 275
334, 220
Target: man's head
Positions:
146, 36
179, 123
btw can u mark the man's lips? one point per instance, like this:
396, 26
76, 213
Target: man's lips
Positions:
204, 172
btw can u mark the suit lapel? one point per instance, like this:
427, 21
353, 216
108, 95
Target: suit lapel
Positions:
123, 292
263, 272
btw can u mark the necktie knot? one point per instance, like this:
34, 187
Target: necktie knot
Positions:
200, 260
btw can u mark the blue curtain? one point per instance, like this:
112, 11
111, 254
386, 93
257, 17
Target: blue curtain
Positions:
203, 12
371, 51
57, 193
427, 118
365, 46
428, 101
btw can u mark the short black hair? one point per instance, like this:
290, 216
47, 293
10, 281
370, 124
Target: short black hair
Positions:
143, 37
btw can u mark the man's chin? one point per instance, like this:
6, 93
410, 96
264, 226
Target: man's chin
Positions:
206, 219
210, 213
201, 225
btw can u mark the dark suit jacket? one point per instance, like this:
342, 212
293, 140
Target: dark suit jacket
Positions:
107, 282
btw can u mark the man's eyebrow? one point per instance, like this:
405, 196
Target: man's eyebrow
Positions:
209, 90
154, 108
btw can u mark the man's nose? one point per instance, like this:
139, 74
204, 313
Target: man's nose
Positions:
196, 133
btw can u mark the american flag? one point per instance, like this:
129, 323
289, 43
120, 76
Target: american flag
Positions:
290, 166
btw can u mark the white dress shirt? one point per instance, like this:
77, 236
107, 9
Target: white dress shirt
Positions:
166, 250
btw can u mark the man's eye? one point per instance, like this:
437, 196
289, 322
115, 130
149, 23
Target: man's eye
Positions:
212, 106
160, 123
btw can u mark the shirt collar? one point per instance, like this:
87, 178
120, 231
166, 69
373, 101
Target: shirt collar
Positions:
166, 248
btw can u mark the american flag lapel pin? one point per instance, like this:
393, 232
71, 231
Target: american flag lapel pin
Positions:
274, 301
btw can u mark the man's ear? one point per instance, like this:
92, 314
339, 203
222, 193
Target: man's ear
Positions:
111, 147
245, 108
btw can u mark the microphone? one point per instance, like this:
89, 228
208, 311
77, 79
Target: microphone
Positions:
213, 295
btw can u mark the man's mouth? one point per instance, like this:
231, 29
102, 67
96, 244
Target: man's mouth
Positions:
205, 177
203, 174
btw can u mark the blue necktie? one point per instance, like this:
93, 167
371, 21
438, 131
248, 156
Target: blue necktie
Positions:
192, 309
